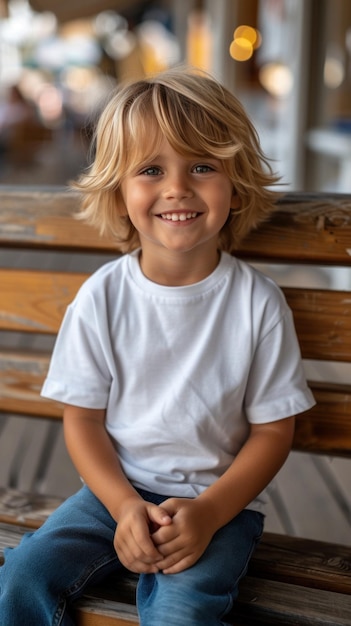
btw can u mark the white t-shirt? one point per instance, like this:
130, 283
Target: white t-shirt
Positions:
181, 371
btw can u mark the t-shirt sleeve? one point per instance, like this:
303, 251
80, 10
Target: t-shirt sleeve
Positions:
277, 386
79, 372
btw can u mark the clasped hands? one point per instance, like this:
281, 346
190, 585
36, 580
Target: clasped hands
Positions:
167, 538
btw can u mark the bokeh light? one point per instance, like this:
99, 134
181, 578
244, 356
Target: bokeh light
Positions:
277, 79
246, 40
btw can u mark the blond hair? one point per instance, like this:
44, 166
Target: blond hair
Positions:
196, 115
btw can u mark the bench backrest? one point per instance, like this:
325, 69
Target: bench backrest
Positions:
306, 230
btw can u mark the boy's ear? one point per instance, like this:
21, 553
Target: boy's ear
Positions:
235, 201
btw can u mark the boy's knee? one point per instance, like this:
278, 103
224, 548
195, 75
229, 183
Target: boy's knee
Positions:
173, 601
22, 570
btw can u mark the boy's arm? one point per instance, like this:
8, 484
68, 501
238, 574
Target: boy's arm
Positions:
259, 460
95, 458
195, 521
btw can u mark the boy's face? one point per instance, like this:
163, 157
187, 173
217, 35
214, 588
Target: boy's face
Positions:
178, 203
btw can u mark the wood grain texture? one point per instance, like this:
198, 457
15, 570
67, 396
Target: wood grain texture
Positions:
44, 219
305, 228
323, 322
35, 301
304, 562
86, 616
28, 510
279, 604
21, 377
326, 428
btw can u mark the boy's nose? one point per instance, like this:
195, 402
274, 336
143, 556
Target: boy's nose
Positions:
178, 187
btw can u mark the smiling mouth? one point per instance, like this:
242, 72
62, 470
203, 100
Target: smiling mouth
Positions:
179, 217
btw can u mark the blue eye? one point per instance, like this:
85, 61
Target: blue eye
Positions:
203, 169
151, 171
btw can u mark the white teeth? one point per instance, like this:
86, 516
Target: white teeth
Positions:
179, 217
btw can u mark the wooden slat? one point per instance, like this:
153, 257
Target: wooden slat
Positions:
279, 604
104, 613
21, 377
86, 616
305, 228
303, 562
35, 301
28, 510
323, 322
326, 428
36, 218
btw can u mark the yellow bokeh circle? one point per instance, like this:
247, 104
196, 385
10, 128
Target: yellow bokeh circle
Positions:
246, 40
241, 49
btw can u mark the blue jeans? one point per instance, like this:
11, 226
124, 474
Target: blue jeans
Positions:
74, 548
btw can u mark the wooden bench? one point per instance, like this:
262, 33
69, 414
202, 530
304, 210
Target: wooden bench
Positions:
291, 580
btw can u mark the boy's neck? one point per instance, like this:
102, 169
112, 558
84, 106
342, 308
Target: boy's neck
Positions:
177, 270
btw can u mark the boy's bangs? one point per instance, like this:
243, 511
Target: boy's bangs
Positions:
190, 128
186, 140
162, 113
143, 140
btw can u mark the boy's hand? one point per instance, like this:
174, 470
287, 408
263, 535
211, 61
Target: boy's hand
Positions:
133, 543
184, 540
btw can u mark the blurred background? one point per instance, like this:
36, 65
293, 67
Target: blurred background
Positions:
288, 61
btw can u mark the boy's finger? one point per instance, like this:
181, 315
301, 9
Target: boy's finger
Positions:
176, 563
159, 516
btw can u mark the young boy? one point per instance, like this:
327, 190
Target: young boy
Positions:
178, 366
